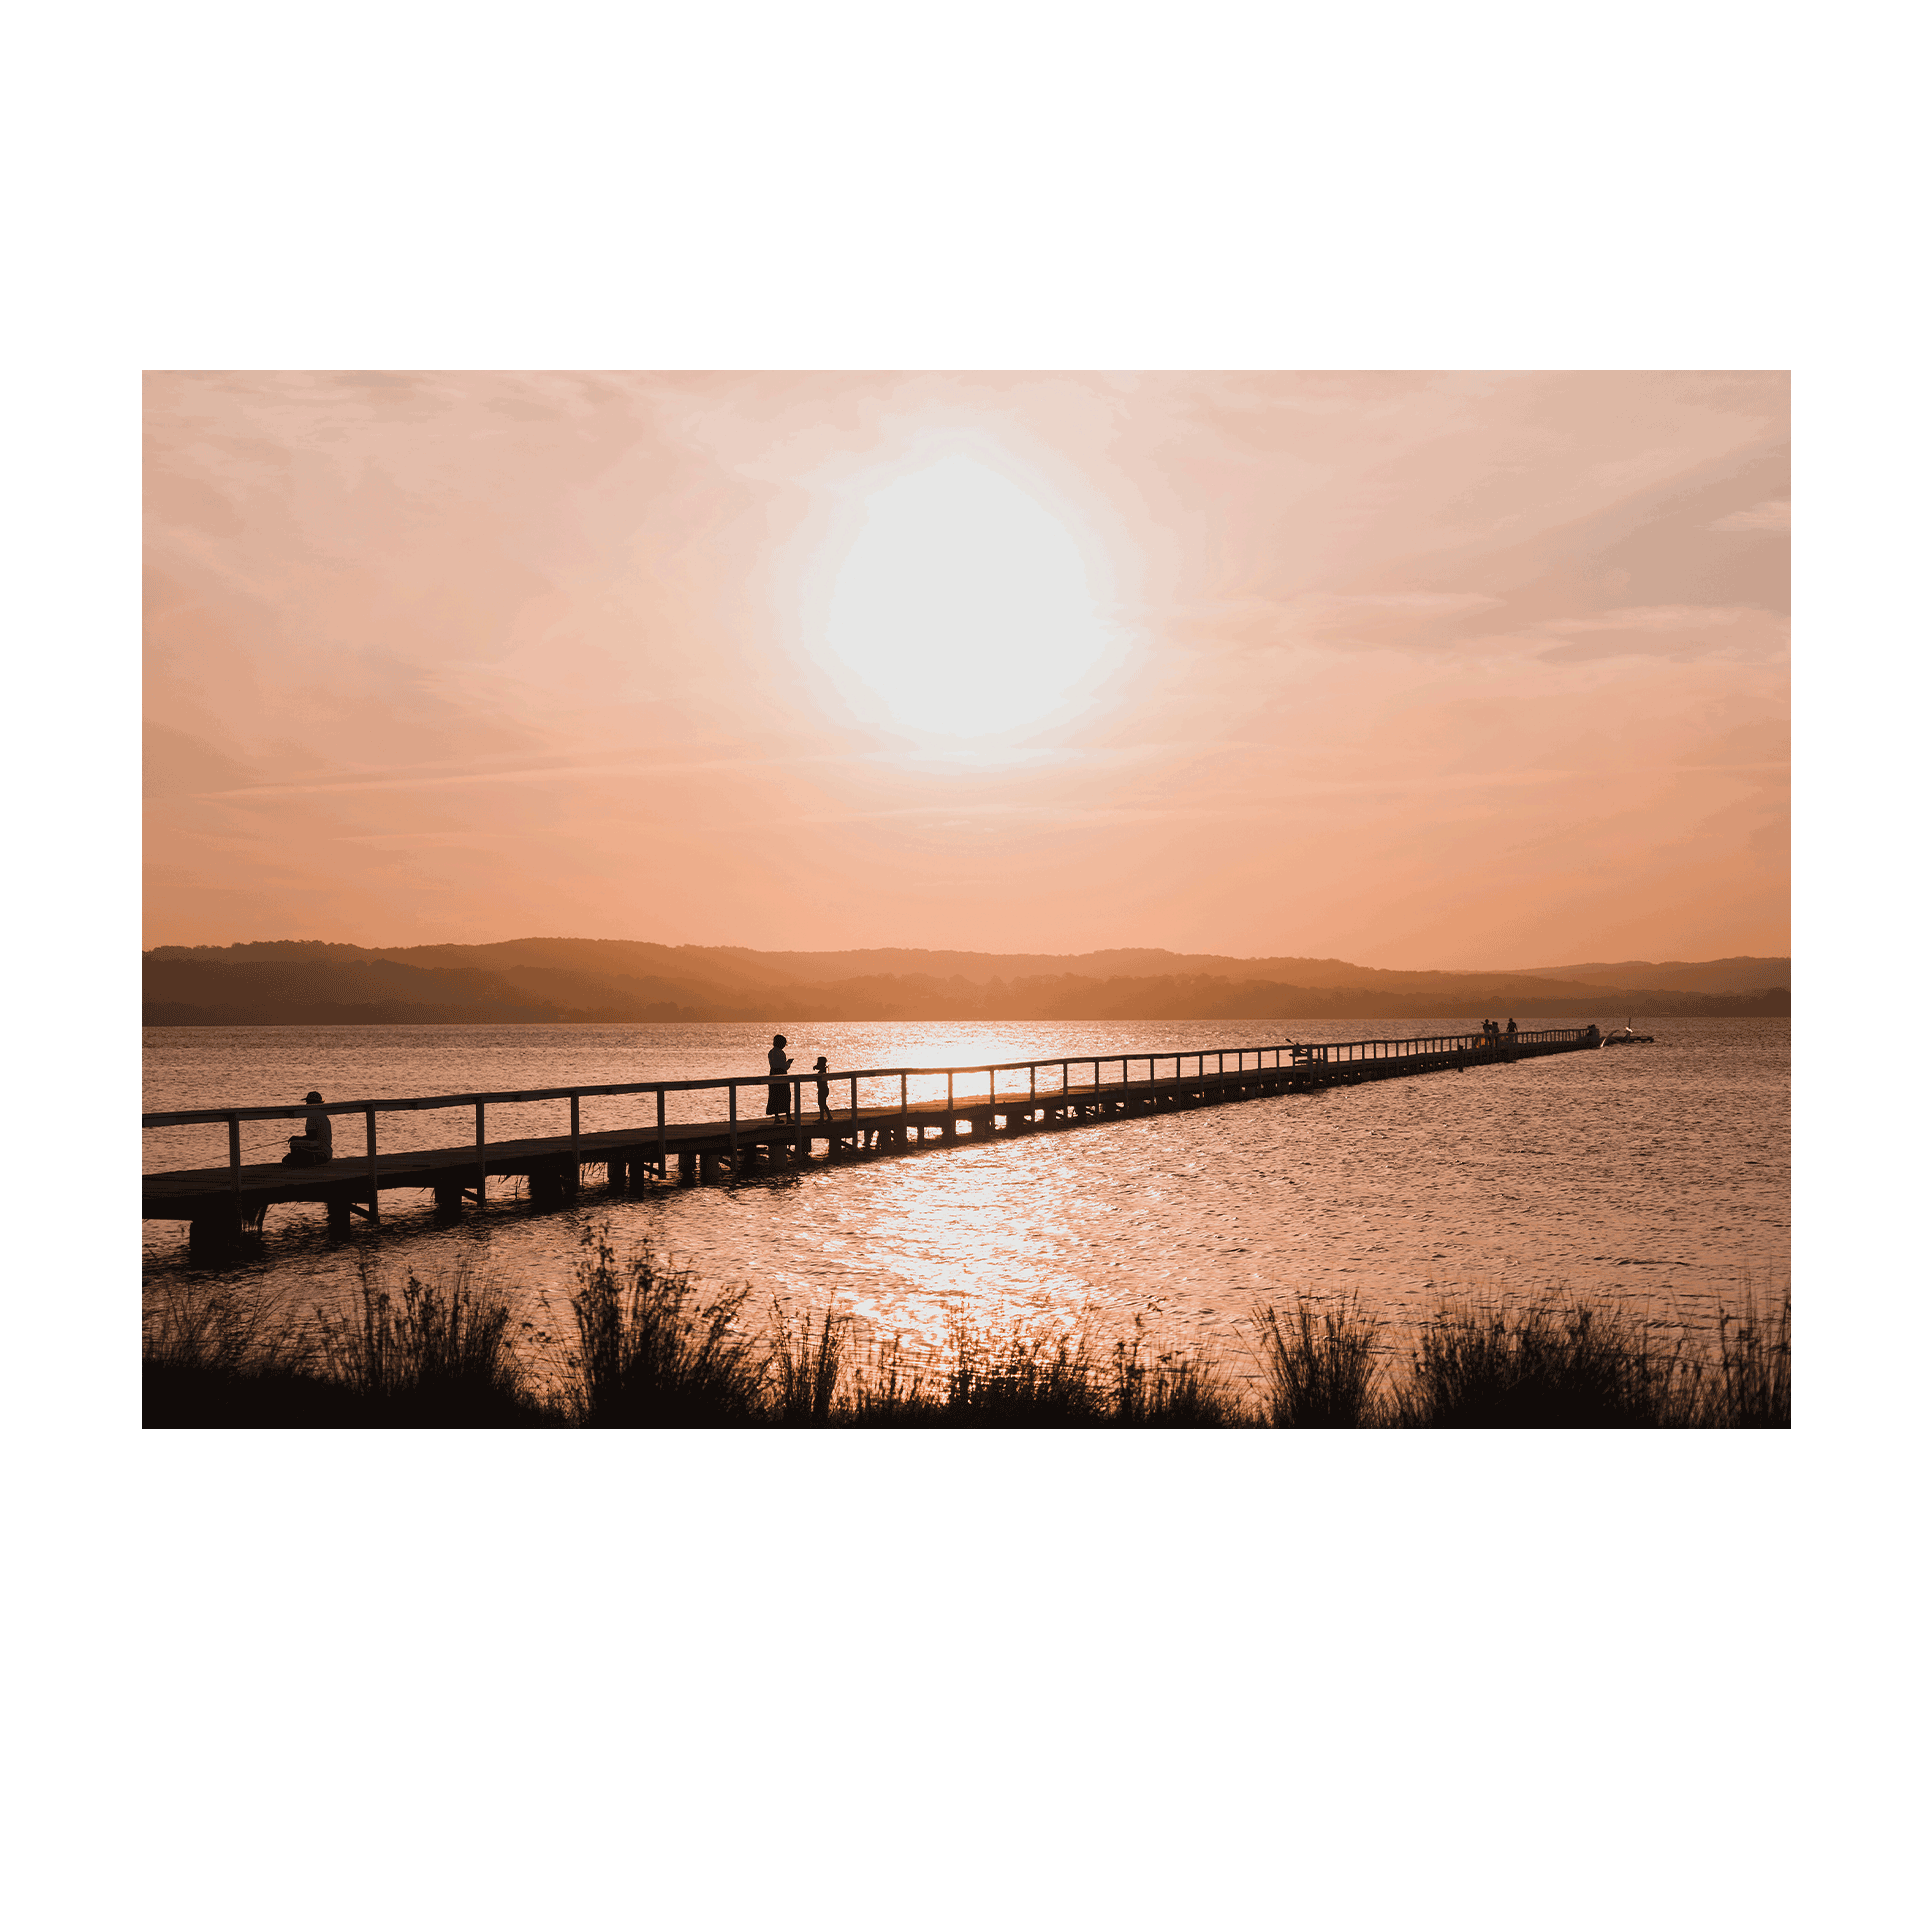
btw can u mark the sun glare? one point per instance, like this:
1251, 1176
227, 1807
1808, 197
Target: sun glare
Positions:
963, 603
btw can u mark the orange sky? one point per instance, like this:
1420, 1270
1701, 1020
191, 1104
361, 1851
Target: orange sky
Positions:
1407, 669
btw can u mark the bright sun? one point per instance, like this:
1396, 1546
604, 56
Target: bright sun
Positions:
963, 604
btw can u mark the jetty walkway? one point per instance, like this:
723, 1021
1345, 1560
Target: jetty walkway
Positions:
879, 1115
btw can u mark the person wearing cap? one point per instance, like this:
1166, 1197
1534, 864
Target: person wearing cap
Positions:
779, 1092
820, 1082
314, 1148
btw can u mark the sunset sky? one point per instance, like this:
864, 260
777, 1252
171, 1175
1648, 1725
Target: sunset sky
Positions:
1405, 669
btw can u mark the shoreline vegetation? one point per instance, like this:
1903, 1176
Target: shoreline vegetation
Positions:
650, 1345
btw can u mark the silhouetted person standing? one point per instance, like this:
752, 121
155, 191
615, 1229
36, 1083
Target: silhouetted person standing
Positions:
820, 1082
779, 1094
314, 1148
1513, 1026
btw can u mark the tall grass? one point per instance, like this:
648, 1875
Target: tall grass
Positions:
806, 1364
1320, 1368
1024, 1379
1753, 1384
884, 1388
655, 1351
1545, 1365
226, 1357
652, 1346
1155, 1387
222, 1330
438, 1354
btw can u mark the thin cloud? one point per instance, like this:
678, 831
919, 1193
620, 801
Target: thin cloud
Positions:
1771, 516
1645, 620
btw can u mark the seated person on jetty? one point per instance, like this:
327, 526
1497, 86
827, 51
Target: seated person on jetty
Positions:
314, 1148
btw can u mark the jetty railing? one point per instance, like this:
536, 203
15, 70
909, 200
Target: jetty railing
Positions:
1131, 1066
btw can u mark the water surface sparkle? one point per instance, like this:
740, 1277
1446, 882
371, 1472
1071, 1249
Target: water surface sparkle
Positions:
1655, 1176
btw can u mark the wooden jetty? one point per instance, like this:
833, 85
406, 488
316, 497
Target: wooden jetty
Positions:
879, 1116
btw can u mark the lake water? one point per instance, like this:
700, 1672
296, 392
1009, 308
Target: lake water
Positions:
1652, 1175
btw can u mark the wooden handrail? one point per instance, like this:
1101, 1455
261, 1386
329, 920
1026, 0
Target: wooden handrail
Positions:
1325, 1050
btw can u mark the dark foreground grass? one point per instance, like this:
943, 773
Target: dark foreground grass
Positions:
218, 1360
1320, 1368
1573, 1364
437, 1356
652, 1347
655, 1352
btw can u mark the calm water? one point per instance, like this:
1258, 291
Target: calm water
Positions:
1653, 1175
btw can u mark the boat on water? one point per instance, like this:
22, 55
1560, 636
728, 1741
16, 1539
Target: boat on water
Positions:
1623, 1036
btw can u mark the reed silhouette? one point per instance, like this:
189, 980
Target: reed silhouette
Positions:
1488, 1364
1320, 1369
655, 1350
651, 1345
435, 1355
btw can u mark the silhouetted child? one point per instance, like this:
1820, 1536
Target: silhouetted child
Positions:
820, 1083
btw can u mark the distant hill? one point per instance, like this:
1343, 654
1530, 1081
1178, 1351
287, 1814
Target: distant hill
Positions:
1740, 975
316, 983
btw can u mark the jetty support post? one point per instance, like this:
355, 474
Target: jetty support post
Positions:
573, 1149
233, 1160
480, 1151
373, 1167
660, 1134
733, 1128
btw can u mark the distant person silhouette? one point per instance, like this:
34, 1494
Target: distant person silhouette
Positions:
779, 1095
820, 1083
1513, 1026
314, 1148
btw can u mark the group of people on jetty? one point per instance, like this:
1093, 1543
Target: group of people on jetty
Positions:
314, 1147
782, 1094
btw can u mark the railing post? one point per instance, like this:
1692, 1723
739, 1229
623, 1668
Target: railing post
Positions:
573, 1113
853, 1102
373, 1170
233, 1154
660, 1131
949, 1089
733, 1125
480, 1148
